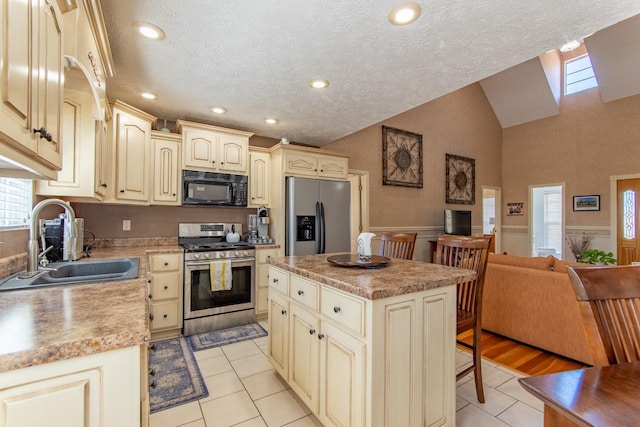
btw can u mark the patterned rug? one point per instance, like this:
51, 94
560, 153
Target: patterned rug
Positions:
178, 379
226, 336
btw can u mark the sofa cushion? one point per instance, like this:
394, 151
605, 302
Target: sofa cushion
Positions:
560, 265
540, 263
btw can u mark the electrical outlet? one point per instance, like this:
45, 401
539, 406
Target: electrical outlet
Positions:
126, 225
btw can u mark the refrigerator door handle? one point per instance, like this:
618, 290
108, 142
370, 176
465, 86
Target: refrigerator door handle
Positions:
319, 229
323, 229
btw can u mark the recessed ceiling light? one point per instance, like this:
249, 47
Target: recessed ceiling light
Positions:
405, 13
219, 110
319, 83
148, 95
271, 121
149, 30
570, 46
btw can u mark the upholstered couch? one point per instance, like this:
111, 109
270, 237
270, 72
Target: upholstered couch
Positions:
531, 300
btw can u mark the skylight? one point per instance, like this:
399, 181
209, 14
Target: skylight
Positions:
578, 75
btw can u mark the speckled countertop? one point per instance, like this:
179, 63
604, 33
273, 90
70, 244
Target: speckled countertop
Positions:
396, 278
48, 324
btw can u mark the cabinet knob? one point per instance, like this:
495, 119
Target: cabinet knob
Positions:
312, 331
213, 161
166, 287
165, 316
283, 312
275, 280
151, 316
150, 296
174, 194
166, 264
122, 191
320, 336
152, 347
152, 372
300, 292
103, 185
153, 384
336, 309
43, 133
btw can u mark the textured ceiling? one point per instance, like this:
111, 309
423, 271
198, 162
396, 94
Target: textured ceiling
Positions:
256, 57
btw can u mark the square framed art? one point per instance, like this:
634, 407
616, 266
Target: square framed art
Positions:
401, 158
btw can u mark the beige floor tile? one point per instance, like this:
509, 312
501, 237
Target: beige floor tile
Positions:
199, 423
495, 401
263, 384
281, 408
308, 421
229, 410
265, 349
208, 353
494, 377
472, 416
214, 366
261, 341
253, 422
222, 384
522, 415
240, 350
178, 415
251, 365
515, 390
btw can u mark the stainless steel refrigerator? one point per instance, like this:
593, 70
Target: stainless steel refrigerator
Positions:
317, 216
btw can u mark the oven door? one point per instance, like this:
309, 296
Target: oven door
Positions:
200, 300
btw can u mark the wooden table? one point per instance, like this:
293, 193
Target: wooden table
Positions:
600, 396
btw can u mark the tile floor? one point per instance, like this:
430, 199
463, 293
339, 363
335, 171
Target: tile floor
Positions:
244, 391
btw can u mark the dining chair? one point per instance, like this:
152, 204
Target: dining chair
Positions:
471, 253
397, 245
609, 300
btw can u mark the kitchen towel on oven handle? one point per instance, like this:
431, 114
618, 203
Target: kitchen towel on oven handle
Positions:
221, 276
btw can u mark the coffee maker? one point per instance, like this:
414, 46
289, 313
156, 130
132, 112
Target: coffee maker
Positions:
263, 224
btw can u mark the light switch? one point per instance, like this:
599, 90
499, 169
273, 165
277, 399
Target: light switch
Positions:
126, 225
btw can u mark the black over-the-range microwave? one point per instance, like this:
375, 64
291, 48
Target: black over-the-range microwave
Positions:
213, 189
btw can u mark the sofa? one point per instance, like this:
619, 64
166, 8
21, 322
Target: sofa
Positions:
531, 300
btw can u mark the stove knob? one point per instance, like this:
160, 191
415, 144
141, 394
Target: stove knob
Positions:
221, 254
207, 255
237, 253
245, 253
196, 256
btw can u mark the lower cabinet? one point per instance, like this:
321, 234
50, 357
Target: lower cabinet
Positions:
262, 280
98, 390
165, 279
359, 362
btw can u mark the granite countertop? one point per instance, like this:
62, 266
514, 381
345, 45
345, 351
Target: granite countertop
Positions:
396, 278
48, 324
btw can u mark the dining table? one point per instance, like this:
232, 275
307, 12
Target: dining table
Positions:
596, 396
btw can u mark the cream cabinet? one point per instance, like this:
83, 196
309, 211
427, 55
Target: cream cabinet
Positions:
83, 176
31, 85
166, 168
262, 280
360, 362
98, 390
130, 138
213, 148
259, 177
314, 165
165, 279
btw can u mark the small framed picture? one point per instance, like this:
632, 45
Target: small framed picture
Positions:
515, 209
586, 203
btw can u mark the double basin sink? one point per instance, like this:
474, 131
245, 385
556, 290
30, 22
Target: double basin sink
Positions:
75, 272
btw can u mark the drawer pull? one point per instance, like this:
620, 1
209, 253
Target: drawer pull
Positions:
151, 316
166, 264
275, 280
283, 312
150, 296
152, 347
153, 384
152, 372
320, 336
300, 292
166, 287
336, 309
312, 331
165, 316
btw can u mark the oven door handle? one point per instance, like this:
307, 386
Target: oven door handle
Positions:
208, 262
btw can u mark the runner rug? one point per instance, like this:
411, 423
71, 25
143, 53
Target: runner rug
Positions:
226, 336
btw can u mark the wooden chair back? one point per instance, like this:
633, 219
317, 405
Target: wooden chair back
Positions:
609, 299
398, 245
466, 252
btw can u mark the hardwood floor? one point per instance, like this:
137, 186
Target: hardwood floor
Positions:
520, 357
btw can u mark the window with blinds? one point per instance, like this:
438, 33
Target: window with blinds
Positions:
578, 75
16, 198
552, 228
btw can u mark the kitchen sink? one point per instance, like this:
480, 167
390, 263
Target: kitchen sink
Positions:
75, 272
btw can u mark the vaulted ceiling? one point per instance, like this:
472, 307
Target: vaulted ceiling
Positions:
255, 58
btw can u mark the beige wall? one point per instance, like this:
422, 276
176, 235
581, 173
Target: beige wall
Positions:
460, 123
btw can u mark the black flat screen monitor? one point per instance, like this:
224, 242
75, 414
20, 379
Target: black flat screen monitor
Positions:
457, 222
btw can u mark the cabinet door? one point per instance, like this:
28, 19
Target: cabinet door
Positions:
165, 314
101, 173
166, 169
262, 288
300, 164
259, 179
133, 138
200, 149
279, 333
50, 81
342, 368
304, 357
232, 153
333, 167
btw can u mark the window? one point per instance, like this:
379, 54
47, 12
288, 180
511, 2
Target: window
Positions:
578, 75
16, 198
547, 220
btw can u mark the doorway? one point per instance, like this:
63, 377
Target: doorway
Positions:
628, 221
547, 220
491, 215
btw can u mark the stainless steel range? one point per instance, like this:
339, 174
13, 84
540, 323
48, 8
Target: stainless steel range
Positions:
207, 306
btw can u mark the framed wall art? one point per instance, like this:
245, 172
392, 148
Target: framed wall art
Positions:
461, 180
401, 158
515, 209
586, 203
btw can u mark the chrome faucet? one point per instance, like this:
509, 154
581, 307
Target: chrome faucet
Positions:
33, 248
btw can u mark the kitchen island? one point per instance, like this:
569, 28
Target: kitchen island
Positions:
366, 347
79, 349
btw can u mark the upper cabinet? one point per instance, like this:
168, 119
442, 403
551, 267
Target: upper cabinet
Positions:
130, 139
213, 148
259, 176
31, 85
166, 168
310, 162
